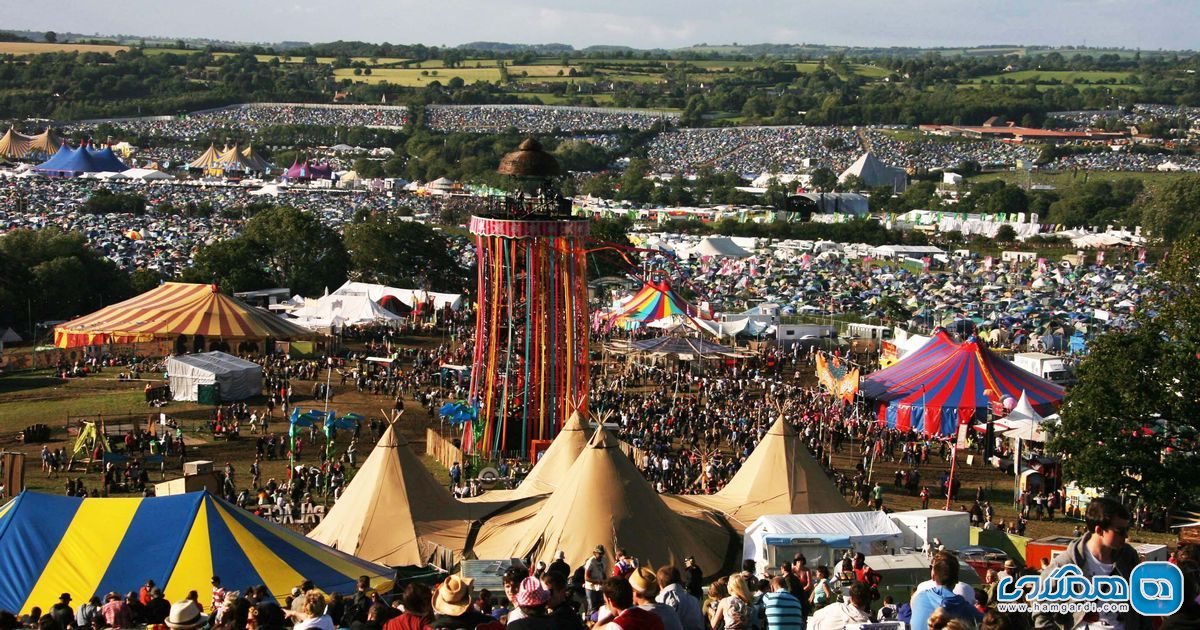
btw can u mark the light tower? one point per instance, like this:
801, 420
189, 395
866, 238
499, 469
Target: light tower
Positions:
531, 337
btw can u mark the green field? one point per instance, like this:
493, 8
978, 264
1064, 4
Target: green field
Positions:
1152, 180
1061, 76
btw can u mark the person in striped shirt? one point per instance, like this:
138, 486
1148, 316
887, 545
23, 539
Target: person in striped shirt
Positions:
783, 610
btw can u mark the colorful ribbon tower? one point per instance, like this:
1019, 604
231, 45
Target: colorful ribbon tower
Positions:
531, 353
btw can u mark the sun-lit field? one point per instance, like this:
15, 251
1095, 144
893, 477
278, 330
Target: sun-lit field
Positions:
34, 48
1062, 76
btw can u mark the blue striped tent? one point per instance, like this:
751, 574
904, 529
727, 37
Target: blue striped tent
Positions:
54, 544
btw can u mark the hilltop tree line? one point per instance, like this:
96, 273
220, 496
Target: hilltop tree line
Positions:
764, 90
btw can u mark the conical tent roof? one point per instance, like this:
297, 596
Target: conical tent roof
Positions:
45, 143
207, 160
105, 160
391, 504
1023, 411
603, 499
254, 161
55, 544
655, 301
14, 145
232, 159
779, 477
552, 468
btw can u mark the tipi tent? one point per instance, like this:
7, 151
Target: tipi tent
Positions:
779, 477
56, 544
236, 379
603, 499
395, 513
552, 467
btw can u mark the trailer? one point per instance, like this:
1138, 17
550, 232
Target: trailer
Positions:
774, 539
952, 529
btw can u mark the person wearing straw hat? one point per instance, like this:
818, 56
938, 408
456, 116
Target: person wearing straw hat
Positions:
618, 598
186, 615
533, 598
452, 605
645, 589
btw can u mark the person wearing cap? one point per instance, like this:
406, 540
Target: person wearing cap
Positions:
645, 590
62, 612
618, 598
560, 565
672, 593
452, 605
595, 572
186, 615
532, 599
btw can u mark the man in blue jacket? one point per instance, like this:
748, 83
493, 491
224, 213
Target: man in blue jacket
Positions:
944, 571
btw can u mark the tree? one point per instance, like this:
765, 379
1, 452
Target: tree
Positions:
233, 265
614, 233
823, 179
403, 254
299, 252
51, 37
1170, 214
1128, 425
1006, 234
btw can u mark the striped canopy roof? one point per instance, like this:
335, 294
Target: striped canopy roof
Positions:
55, 544
655, 301
945, 384
14, 145
173, 309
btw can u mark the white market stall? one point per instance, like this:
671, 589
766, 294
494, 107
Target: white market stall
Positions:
823, 538
236, 379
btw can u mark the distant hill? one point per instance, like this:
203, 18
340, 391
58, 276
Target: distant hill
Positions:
501, 47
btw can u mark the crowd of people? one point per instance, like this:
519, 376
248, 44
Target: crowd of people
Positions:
538, 118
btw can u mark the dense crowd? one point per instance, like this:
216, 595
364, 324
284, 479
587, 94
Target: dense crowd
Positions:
538, 118
749, 151
253, 117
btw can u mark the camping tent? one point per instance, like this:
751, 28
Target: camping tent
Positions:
653, 302
603, 499
56, 544
945, 384
236, 379
779, 477
395, 513
173, 309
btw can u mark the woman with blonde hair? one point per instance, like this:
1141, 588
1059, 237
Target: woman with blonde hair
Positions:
717, 591
734, 610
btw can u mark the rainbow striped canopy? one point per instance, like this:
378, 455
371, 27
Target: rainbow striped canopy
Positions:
655, 301
54, 544
945, 384
172, 309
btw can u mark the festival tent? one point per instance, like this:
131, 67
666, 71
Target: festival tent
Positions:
308, 170
236, 379
45, 143
394, 512
875, 173
653, 302
603, 499
146, 174
348, 309
682, 348
719, 246
173, 309
779, 477
70, 162
56, 544
208, 161
551, 468
945, 384
254, 161
106, 161
14, 145
233, 160
413, 298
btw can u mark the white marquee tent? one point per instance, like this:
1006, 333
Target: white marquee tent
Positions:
236, 379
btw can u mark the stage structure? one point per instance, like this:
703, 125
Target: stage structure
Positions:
531, 353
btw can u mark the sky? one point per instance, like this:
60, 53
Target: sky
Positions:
1142, 24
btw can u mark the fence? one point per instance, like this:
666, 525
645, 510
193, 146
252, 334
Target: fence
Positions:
442, 449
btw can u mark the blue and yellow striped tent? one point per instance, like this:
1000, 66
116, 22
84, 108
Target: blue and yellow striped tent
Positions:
55, 544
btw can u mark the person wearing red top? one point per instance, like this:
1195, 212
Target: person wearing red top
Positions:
417, 613
618, 597
147, 592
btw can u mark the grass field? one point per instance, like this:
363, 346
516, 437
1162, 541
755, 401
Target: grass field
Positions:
1153, 180
1062, 76
33, 48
